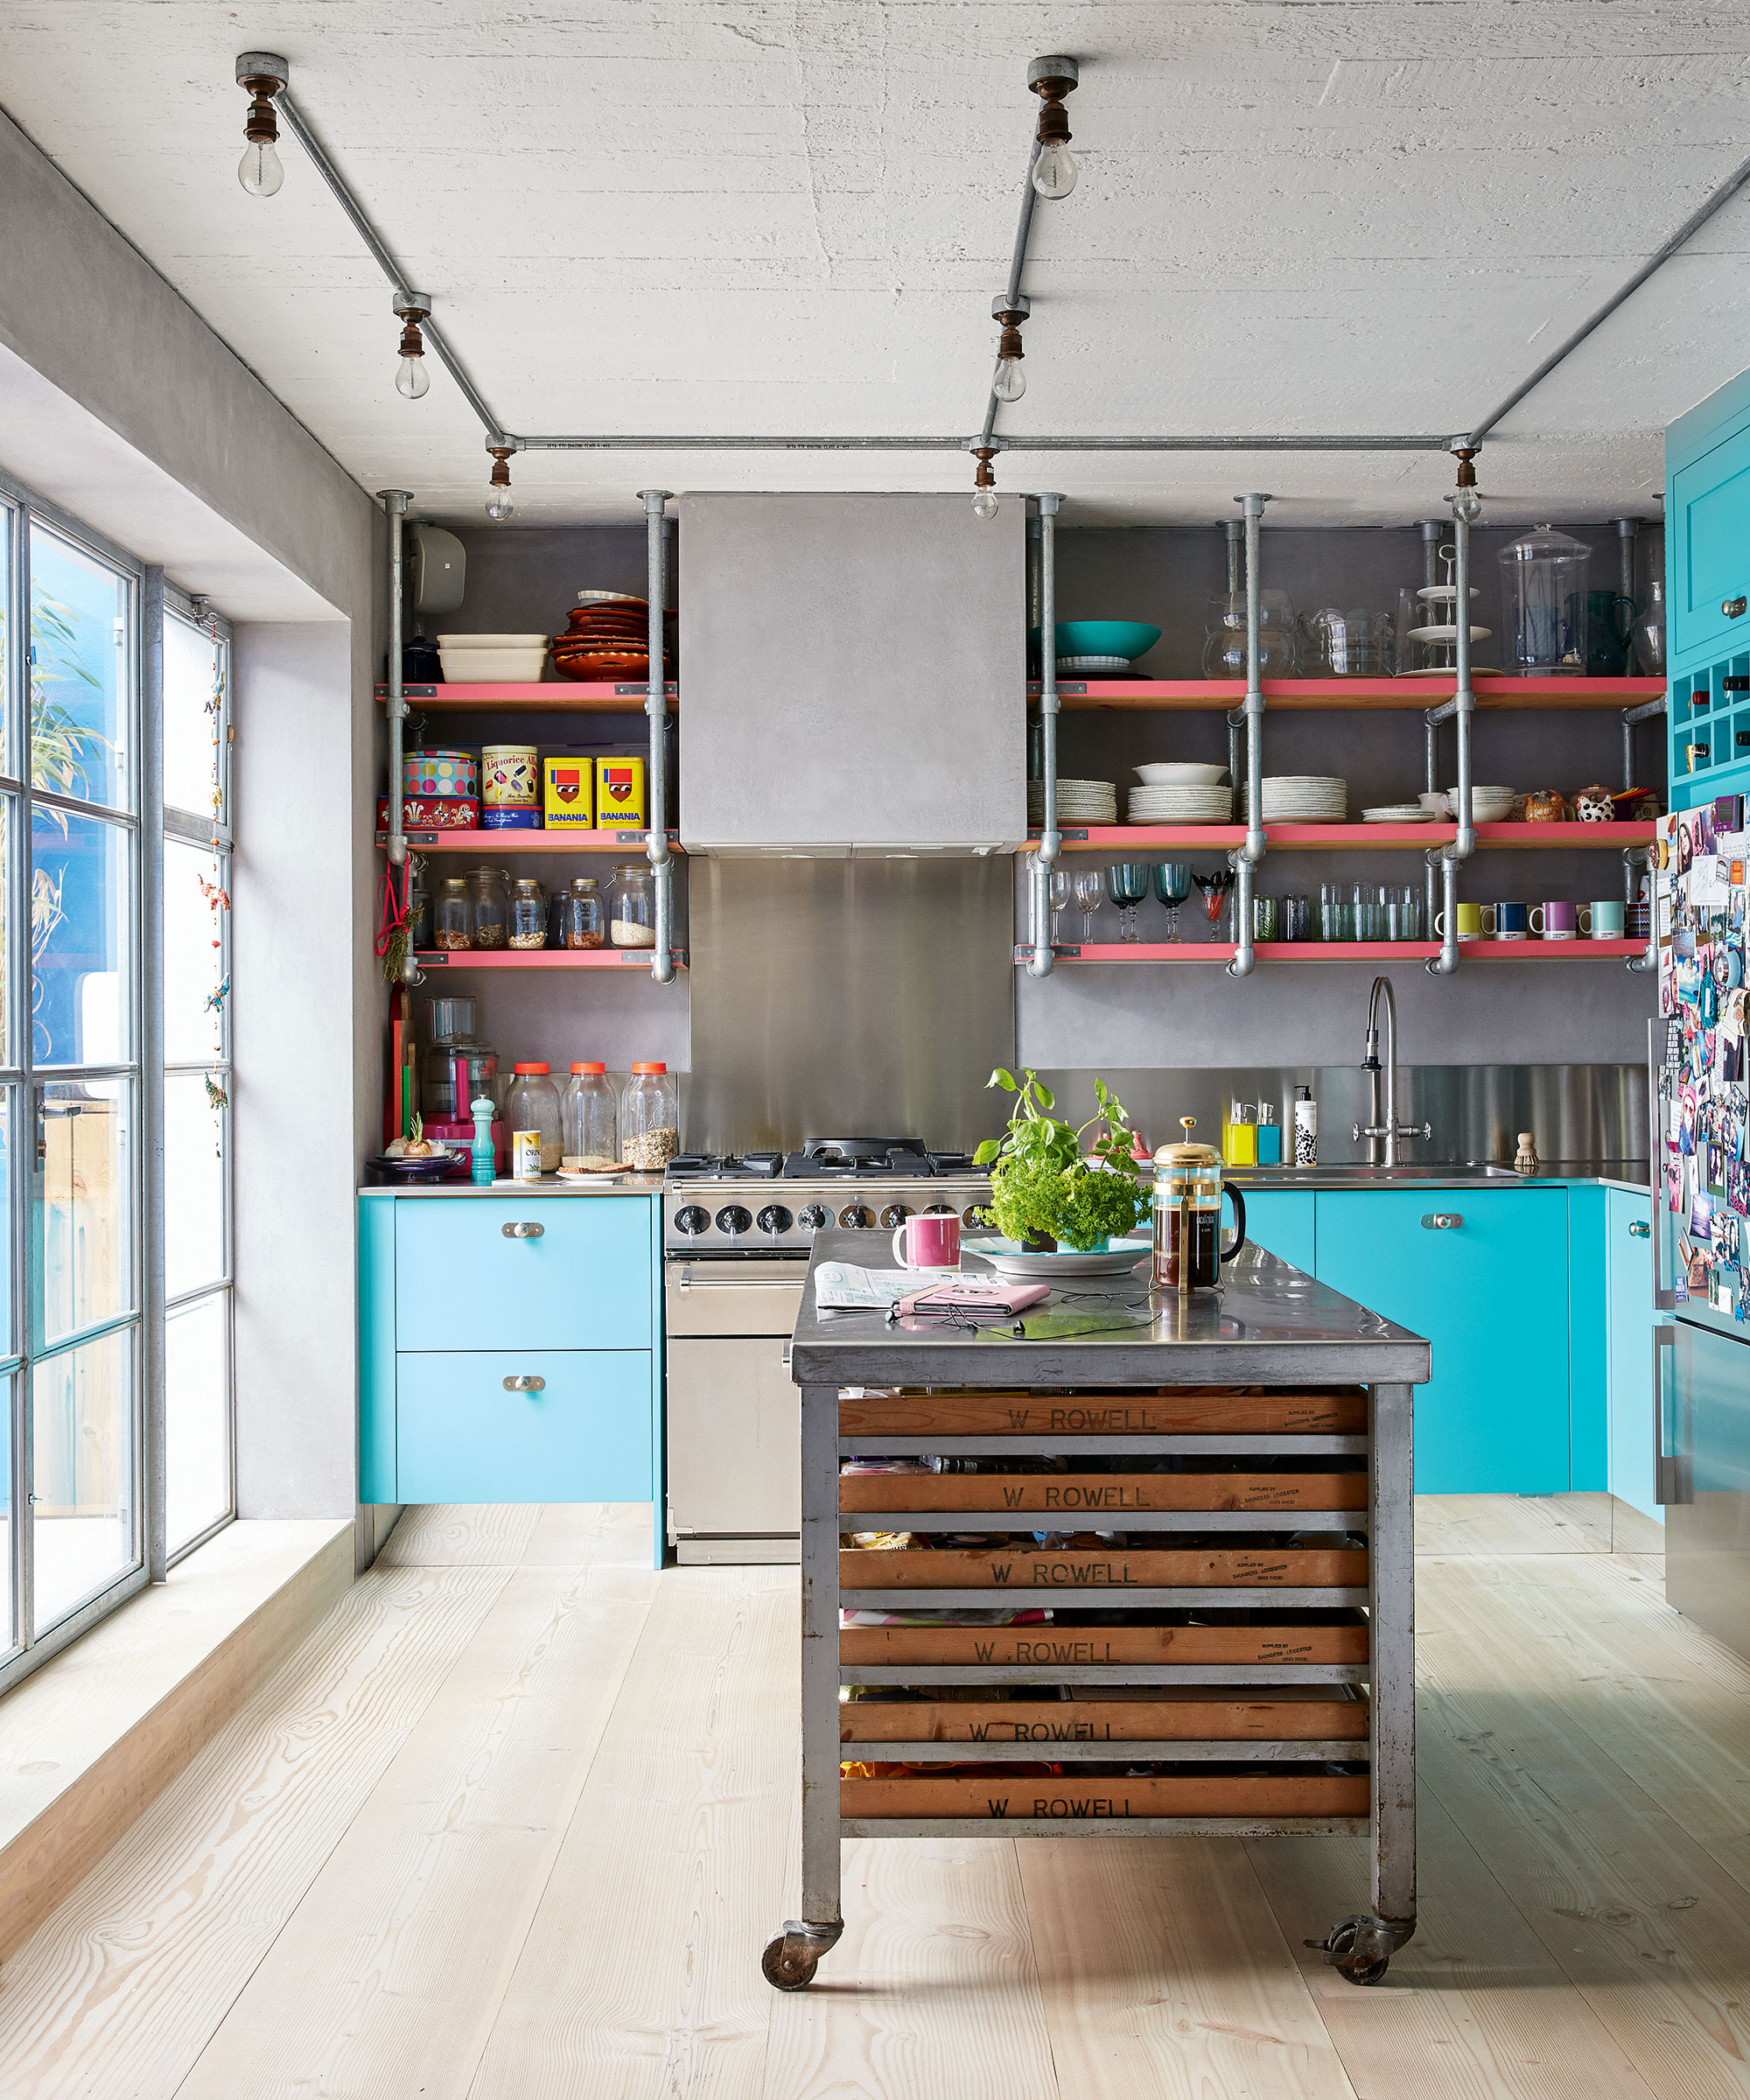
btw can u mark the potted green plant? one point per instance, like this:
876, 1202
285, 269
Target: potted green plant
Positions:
1046, 1189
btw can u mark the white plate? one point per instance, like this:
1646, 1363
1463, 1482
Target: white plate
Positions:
1180, 775
1409, 812
1007, 1259
1087, 667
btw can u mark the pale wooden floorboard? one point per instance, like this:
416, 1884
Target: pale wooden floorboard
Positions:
640, 1973
115, 1994
1634, 1531
1163, 1971
1513, 1524
388, 1978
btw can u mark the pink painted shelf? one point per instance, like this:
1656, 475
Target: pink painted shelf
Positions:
1334, 694
530, 842
542, 958
1342, 951
548, 695
1331, 838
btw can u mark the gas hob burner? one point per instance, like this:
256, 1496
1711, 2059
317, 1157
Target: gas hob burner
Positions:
873, 1158
725, 1166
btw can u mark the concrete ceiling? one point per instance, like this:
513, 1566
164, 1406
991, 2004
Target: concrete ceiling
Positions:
790, 215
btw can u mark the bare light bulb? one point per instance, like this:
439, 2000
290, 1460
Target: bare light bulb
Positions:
500, 507
984, 503
1055, 170
260, 170
1011, 382
412, 380
1467, 505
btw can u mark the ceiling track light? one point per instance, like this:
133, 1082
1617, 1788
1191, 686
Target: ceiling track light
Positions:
1011, 309
499, 506
412, 380
263, 74
1464, 501
1055, 168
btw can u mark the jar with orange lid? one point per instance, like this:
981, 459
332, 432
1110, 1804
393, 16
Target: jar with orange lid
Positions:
531, 1103
649, 1118
589, 1119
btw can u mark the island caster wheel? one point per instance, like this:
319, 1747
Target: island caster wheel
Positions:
1359, 1948
790, 1961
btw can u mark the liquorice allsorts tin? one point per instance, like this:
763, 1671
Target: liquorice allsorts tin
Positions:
511, 777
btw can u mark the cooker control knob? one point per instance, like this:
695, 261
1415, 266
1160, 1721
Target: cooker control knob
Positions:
973, 1217
813, 1217
774, 1218
855, 1215
940, 1210
895, 1213
690, 1219
733, 1218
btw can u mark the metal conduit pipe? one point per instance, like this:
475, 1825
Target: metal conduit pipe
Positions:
1433, 530
395, 502
656, 709
1017, 262
1628, 531
1462, 707
1245, 861
1041, 962
772, 442
1636, 857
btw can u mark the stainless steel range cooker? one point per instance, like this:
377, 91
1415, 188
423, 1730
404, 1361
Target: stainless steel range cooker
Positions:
736, 1233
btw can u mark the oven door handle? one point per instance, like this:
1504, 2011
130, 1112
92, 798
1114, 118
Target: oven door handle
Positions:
685, 1280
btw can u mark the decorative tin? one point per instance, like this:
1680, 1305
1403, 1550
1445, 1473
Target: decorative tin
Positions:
619, 795
568, 794
510, 775
432, 775
510, 820
435, 813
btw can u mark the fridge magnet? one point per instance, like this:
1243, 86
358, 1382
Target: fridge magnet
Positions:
1701, 1218
1674, 1186
1686, 1119
1738, 1187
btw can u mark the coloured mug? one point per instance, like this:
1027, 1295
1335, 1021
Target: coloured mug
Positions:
1556, 921
1602, 919
929, 1239
1506, 922
1470, 923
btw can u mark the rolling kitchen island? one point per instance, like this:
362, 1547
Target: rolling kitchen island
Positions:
1253, 1446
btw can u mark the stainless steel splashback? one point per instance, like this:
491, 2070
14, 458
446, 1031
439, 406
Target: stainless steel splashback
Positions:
1576, 1112
848, 998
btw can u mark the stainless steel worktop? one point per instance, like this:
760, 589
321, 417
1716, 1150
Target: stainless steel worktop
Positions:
1270, 1324
1611, 1174
630, 1185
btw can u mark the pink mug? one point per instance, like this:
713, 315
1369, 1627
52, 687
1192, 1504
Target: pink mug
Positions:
1554, 921
929, 1240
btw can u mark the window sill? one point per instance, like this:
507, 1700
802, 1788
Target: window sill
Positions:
88, 1741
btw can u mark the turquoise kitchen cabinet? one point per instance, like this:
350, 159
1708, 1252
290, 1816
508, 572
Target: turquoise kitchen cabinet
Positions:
524, 1425
1628, 1284
1707, 566
1491, 1294
1281, 1221
510, 1350
1709, 522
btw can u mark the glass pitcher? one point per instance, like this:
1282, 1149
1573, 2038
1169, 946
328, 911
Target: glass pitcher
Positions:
1188, 1189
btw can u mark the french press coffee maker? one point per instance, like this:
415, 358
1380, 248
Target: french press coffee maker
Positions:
1188, 1189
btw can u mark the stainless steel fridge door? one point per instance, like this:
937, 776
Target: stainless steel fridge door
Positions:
1704, 1407
735, 1446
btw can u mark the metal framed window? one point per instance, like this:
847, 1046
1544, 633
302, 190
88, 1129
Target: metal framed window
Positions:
95, 1371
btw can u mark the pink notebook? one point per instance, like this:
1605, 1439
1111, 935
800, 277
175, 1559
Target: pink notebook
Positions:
970, 1296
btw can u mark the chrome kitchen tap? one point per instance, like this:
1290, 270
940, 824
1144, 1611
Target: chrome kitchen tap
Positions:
1390, 1130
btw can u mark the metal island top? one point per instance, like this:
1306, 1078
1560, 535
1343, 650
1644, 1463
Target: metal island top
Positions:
1269, 1324
1233, 1657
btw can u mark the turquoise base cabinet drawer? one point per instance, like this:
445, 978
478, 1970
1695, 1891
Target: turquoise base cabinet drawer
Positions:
568, 1267
1492, 1296
465, 1434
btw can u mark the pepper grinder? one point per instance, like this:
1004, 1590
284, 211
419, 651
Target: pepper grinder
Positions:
482, 1173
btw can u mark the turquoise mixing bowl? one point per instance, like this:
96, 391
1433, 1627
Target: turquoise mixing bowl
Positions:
1126, 638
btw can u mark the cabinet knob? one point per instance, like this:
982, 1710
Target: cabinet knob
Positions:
527, 1383
1734, 608
1442, 1220
523, 1232
1639, 1230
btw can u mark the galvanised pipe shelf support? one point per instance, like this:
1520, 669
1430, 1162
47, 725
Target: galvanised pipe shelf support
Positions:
1245, 860
1041, 962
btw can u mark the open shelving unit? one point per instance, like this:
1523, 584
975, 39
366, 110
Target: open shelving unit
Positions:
1411, 696
1339, 951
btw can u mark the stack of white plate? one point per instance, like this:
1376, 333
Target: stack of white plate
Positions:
1078, 802
1093, 666
1179, 772
1398, 813
1186, 804
1302, 798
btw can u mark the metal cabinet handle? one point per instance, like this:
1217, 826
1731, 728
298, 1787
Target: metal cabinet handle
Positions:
525, 1384
1673, 1475
1639, 1230
1734, 608
1442, 1220
523, 1232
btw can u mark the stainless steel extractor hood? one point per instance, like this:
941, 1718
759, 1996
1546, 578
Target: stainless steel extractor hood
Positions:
855, 670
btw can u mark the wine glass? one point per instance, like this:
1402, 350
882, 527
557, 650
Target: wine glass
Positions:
1089, 889
1127, 884
1214, 888
1059, 901
1173, 887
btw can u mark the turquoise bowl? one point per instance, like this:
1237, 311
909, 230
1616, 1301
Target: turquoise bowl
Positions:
1126, 638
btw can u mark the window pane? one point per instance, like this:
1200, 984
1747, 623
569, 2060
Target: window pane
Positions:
195, 964
194, 1183
82, 1473
81, 711
9, 1514
82, 988
197, 1417
8, 526
87, 1208
9, 1340
193, 721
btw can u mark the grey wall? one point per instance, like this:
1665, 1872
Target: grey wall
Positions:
1285, 1014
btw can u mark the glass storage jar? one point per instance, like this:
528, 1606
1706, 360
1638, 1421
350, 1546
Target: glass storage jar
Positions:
589, 1118
1544, 598
583, 925
453, 914
528, 913
489, 893
531, 1103
632, 906
456, 1051
649, 1118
